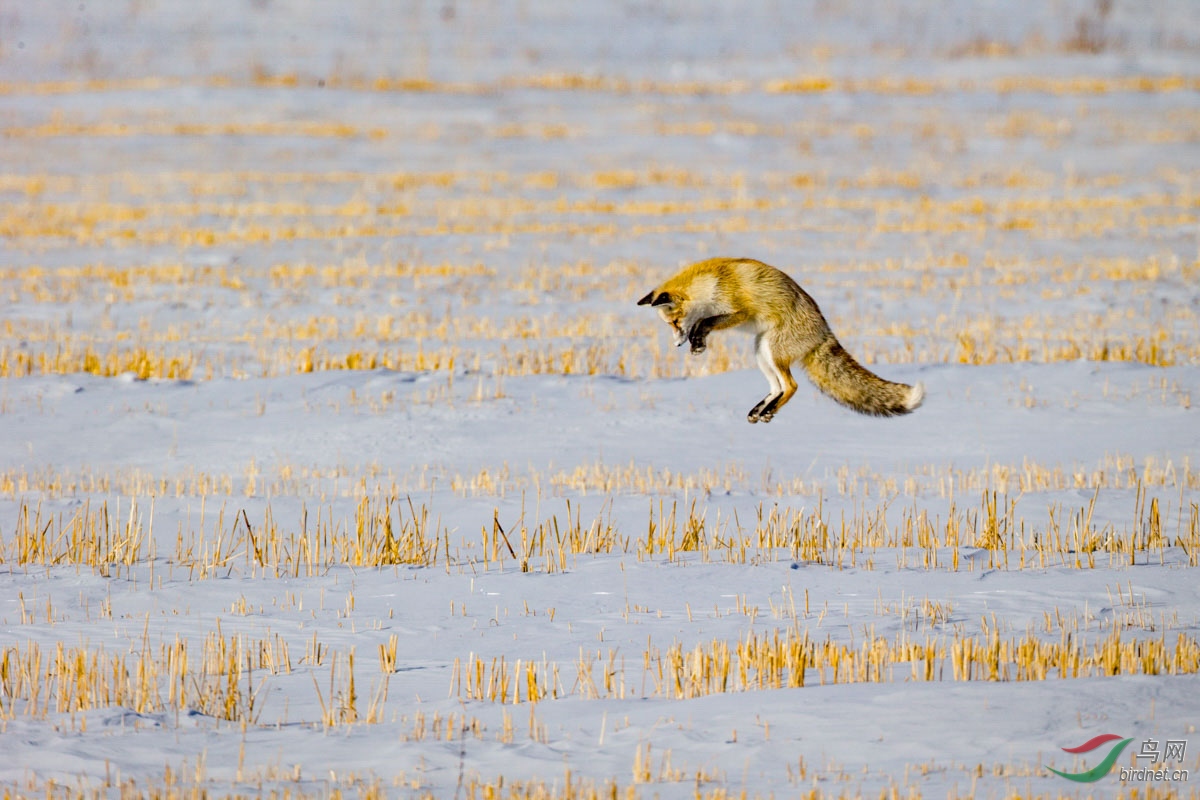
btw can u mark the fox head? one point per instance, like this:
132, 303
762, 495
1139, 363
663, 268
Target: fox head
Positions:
670, 308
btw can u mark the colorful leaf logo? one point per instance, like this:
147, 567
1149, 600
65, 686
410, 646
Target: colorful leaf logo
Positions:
1100, 770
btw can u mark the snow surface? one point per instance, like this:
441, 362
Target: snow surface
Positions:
300, 444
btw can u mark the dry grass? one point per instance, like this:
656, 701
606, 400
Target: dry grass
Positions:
789, 658
651, 771
598, 478
223, 676
386, 530
219, 681
1087, 35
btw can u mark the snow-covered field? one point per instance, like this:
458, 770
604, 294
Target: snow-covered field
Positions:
335, 457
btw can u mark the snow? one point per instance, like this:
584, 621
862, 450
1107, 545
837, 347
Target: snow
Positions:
244, 185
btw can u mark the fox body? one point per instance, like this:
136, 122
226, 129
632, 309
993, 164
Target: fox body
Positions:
788, 327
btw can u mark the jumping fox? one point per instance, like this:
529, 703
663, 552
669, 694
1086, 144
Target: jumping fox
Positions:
788, 327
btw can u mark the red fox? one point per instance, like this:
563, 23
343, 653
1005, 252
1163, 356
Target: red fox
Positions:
787, 326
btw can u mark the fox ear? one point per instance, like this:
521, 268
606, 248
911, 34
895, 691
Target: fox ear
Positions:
662, 299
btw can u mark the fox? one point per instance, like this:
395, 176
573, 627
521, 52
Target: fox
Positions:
788, 327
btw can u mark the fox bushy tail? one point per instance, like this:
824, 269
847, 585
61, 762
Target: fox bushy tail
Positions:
838, 375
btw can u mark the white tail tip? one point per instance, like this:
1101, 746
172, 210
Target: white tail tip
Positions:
916, 396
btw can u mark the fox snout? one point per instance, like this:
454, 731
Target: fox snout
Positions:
665, 304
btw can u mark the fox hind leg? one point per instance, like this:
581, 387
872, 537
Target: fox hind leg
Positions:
762, 356
777, 402
779, 375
